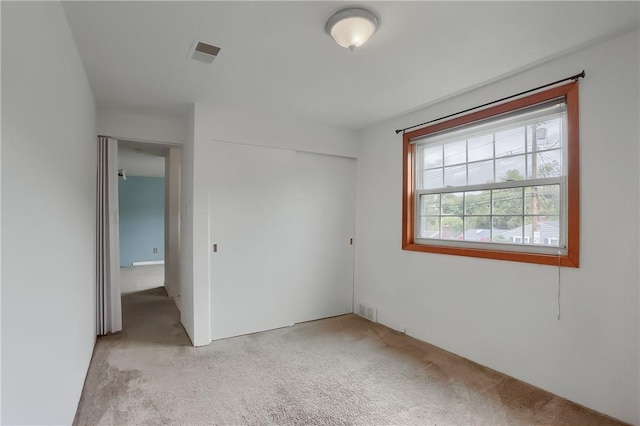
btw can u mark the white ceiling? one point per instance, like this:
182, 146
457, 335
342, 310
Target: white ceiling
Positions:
276, 56
141, 159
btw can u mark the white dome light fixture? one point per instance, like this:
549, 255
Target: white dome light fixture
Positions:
352, 26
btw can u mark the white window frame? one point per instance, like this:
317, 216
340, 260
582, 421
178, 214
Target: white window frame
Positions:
544, 111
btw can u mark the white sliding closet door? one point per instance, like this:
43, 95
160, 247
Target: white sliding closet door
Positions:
282, 222
326, 215
251, 190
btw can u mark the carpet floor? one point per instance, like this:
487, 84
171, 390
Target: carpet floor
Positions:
337, 371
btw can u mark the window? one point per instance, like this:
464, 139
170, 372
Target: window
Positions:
500, 183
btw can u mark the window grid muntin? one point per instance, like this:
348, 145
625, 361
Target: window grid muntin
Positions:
526, 155
523, 185
493, 160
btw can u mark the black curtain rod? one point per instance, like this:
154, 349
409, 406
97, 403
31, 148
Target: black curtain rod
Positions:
573, 77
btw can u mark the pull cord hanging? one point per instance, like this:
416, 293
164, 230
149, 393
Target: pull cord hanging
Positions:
573, 77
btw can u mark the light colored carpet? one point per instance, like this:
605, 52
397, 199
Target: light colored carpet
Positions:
339, 371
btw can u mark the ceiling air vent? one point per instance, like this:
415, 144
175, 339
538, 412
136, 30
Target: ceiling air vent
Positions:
203, 52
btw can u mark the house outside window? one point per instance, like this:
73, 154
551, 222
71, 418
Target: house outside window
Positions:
500, 183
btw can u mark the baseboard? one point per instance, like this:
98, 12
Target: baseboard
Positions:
150, 262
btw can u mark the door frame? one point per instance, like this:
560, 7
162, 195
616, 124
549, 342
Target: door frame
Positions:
169, 220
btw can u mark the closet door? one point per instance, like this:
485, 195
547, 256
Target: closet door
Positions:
325, 222
281, 222
252, 217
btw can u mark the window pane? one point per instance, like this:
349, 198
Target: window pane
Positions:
510, 142
507, 229
477, 203
432, 157
480, 148
554, 135
498, 184
551, 242
548, 135
531, 230
455, 153
548, 164
432, 179
539, 231
455, 176
430, 227
544, 231
452, 204
480, 173
477, 228
451, 228
507, 201
542, 200
430, 204
510, 169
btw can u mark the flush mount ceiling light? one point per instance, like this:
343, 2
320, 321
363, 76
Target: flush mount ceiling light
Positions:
352, 26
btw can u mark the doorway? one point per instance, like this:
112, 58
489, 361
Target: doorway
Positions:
149, 216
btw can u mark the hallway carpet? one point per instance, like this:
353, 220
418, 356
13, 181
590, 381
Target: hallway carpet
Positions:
338, 371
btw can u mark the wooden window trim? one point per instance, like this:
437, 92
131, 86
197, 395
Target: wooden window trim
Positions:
572, 256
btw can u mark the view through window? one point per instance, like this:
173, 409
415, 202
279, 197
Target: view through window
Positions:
498, 180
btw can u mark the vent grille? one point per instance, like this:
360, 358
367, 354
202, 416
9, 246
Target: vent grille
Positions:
207, 49
204, 52
368, 312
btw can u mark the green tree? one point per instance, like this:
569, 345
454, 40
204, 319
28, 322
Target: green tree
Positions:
507, 203
451, 225
550, 169
478, 205
452, 210
504, 206
512, 175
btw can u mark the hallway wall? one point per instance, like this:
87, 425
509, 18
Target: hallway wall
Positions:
136, 125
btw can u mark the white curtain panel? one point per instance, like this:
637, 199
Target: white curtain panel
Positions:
109, 310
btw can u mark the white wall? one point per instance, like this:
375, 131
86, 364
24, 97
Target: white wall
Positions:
232, 125
143, 126
48, 216
504, 314
187, 235
173, 165
228, 125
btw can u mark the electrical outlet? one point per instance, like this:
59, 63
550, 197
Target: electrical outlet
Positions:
155, 249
